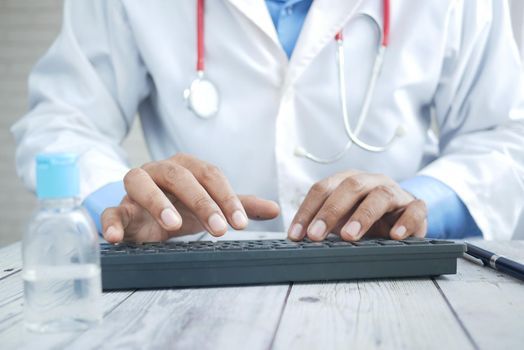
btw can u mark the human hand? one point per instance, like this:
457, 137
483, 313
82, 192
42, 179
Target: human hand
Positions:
178, 196
353, 204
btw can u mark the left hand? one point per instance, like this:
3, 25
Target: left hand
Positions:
353, 204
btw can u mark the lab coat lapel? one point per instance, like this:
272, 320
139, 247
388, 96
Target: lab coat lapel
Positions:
324, 20
257, 12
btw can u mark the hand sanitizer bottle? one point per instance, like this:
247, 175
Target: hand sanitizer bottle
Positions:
60, 251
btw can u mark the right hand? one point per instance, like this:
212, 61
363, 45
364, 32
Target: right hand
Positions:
178, 196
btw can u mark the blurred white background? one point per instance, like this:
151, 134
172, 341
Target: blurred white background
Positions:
27, 28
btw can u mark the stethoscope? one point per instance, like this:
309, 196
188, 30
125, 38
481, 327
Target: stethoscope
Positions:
203, 99
202, 95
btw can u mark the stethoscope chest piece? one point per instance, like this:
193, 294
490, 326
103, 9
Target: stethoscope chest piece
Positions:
202, 98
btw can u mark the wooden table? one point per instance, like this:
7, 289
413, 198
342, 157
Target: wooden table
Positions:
477, 308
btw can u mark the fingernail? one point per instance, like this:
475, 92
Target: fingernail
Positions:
400, 231
110, 232
296, 231
217, 223
317, 229
352, 229
239, 219
169, 217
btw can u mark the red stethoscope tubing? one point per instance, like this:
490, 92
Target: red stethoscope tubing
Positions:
200, 36
385, 29
385, 34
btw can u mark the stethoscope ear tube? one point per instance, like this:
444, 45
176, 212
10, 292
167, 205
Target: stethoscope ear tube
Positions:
353, 134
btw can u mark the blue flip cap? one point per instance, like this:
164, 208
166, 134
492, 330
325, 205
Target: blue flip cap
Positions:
57, 175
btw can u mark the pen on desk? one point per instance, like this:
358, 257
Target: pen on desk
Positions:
495, 261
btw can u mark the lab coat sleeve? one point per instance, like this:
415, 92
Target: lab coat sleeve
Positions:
84, 94
480, 113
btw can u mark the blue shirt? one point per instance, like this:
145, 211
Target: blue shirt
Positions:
288, 17
448, 217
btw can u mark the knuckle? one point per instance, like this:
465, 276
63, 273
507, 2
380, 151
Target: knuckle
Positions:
181, 156
365, 215
148, 165
320, 187
331, 211
133, 174
353, 184
419, 203
128, 211
107, 214
202, 204
230, 199
384, 179
385, 192
419, 210
304, 215
210, 173
172, 174
150, 199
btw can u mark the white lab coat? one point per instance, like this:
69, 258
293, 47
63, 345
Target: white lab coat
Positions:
455, 60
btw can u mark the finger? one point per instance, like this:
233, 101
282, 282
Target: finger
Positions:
113, 224
338, 204
258, 208
218, 187
413, 221
314, 200
143, 190
181, 183
378, 202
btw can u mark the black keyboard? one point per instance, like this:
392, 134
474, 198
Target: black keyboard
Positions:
206, 263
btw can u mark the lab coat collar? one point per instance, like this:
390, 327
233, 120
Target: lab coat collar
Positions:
257, 12
324, 20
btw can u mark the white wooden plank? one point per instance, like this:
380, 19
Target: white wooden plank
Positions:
10, 259
204, 318
388, 314
11, 292
489, 303
13, 334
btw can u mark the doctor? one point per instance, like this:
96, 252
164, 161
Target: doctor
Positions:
395, 118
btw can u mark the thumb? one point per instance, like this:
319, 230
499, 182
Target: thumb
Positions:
258, 208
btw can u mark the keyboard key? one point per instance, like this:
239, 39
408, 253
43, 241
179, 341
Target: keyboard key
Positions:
287, 246
229, 248
314, 245
203, 248
258, 248
115, 252
366, 243
333, 238
415, 242
341, 244
441, 242
390, 242
177, 249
